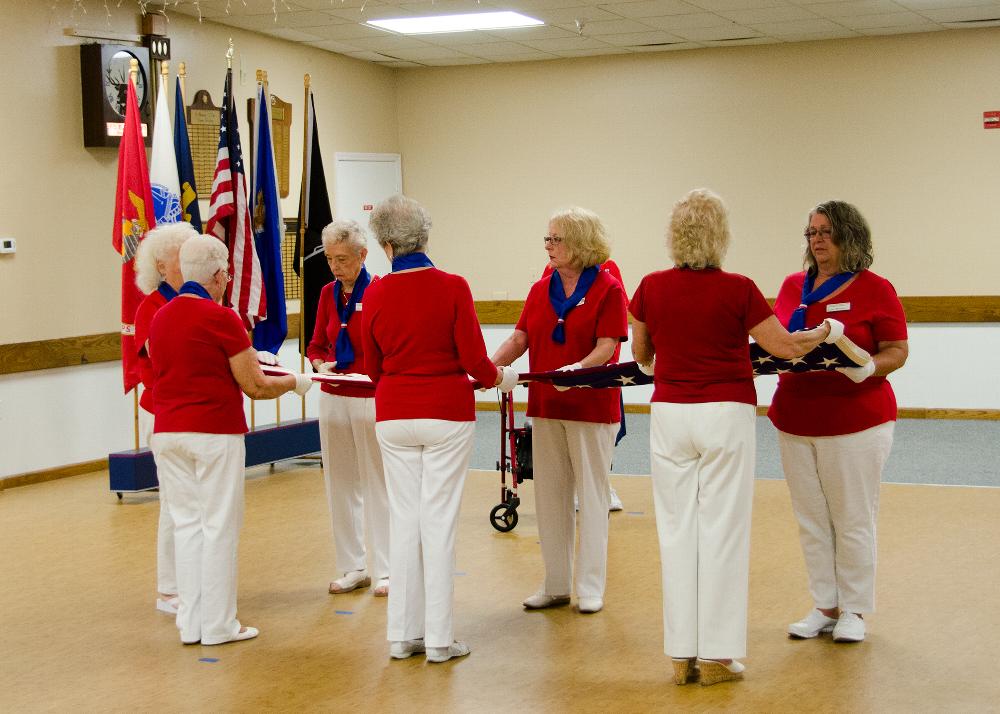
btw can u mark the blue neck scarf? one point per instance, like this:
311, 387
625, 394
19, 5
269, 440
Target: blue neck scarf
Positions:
411, 260
167, 291
193, 288
562, 304
343, 348
798, 319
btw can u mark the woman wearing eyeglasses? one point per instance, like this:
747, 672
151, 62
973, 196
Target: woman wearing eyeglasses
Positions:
352, 462
835, 428
202, 360
573, 318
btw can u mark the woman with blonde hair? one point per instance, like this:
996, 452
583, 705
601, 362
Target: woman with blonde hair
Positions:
693, 320
573, 318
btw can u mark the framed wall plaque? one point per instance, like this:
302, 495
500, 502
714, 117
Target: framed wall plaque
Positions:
203, 119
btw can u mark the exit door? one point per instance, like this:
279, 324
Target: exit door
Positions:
362, 181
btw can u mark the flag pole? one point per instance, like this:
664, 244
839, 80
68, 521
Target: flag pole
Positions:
304, 216
262, 77
133, 73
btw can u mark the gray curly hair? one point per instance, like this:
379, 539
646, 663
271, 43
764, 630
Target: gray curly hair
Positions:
402, 223
202, 257
345, 231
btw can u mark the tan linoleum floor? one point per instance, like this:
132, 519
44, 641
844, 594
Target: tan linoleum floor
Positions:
78, 630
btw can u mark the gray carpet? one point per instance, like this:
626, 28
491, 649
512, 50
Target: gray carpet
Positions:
924, 451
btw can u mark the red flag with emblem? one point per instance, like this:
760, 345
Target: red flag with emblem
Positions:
133, 218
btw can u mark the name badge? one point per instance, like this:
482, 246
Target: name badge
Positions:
838, 307
582, 301
357, 307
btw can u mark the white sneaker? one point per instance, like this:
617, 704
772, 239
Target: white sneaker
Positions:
351, 581
406, 648
811, 625
443, 654
614, 501
590, 605
168, 606
849, 628
540, 600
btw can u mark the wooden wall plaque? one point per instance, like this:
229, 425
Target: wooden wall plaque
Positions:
281, 134
203, 119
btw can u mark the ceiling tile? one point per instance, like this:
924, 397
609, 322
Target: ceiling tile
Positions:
542, 32
902, 30
611, 27
452, 62
796, 27
293, 35
369, 56
894, 19
668, 48
334, 46
425, 53
595, 53
495, 49
855, 7
350, 31
650, 8
384, 44
714, 34
840, 34
768, 14
683, 22
566, 43
570, 14
963, 14
638, 39
731, 5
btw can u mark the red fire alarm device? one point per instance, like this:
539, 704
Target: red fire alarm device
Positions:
991, 120
369, 207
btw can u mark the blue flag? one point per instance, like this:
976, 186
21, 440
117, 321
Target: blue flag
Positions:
185, 166
268, 229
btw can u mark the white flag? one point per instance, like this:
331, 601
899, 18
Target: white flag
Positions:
163, 165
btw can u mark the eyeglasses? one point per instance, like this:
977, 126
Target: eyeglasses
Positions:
554, 240
811, 233
229, 278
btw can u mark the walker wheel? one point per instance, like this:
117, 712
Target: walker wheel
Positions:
503, 517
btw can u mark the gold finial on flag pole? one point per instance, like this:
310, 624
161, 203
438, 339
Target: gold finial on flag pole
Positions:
182, 76
260, 76
165, 69
133, 71
229, 54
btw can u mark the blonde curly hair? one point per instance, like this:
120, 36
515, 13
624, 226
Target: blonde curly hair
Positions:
698, 231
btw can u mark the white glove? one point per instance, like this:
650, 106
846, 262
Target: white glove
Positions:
570, 367
858, 374
647, 369
836, 331
302, 384
267, 358
326, 368
508, 381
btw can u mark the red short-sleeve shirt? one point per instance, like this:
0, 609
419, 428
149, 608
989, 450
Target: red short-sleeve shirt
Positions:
699, 321
190, 343
828, 403
601, 313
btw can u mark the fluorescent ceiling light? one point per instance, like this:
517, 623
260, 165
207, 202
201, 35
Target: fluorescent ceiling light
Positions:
456, 23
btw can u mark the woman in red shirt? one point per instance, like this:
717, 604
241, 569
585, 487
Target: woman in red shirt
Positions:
835, 430
694, 319
572, 319
202, 361
158, 276
352, 463
422, 341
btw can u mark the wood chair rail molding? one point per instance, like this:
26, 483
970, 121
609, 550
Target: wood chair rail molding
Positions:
90, 349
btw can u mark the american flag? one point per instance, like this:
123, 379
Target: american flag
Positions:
229, 218
842, 353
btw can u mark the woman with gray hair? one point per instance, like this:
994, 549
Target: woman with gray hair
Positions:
573, 318
202, 359
835, 434
694, 320
352, 464
158, 276
422, 341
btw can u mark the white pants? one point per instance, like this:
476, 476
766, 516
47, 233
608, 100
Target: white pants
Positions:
834, 485
202, 475
702, 462
166, 569
572, 457
355, 483
426, 462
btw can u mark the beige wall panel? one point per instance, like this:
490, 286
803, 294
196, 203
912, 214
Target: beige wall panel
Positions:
58, 197
893, 124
